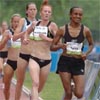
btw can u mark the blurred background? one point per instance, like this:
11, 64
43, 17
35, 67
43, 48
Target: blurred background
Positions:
91, 18
91, 15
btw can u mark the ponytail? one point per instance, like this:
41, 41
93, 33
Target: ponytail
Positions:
45, 3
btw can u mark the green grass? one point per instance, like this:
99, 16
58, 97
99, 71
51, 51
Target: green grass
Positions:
52, 90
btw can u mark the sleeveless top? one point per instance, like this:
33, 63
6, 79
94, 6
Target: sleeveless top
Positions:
13, 44
74, 44
27, 23
41, 30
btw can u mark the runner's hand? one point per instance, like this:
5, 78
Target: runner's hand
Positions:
83, 56
26, 41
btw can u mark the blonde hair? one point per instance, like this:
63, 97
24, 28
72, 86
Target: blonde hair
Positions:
14, 15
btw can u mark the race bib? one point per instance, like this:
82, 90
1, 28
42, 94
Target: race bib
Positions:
74, 48
16, 44
40, 30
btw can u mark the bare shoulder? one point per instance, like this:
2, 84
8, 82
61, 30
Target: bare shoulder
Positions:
22, 20
62, 28
53, 25
61, 31
53, 28
87, 31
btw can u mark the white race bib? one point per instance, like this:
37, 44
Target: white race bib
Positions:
74, 48
40, 30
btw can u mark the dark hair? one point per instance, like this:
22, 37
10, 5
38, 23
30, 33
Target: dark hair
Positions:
27, 6
72, 9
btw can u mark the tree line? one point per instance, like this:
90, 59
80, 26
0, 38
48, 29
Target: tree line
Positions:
91, 15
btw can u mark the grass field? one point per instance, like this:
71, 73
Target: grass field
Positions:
53, 89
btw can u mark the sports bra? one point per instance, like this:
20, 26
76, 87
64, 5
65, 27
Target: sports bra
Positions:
41, 29
13, 44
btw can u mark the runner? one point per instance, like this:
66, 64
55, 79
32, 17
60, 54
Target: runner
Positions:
4, 50
40, 59
25, 50
13, 51
71, 63
4, 40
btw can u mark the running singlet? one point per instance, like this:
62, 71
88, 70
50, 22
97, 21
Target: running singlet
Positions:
41, 30
14, 44
74, 44
27, 24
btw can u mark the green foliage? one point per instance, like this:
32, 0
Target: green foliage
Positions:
91, 17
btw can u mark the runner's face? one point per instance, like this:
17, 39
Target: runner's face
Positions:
46, 13
76, 15
15, 22
32, 11
4, 26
